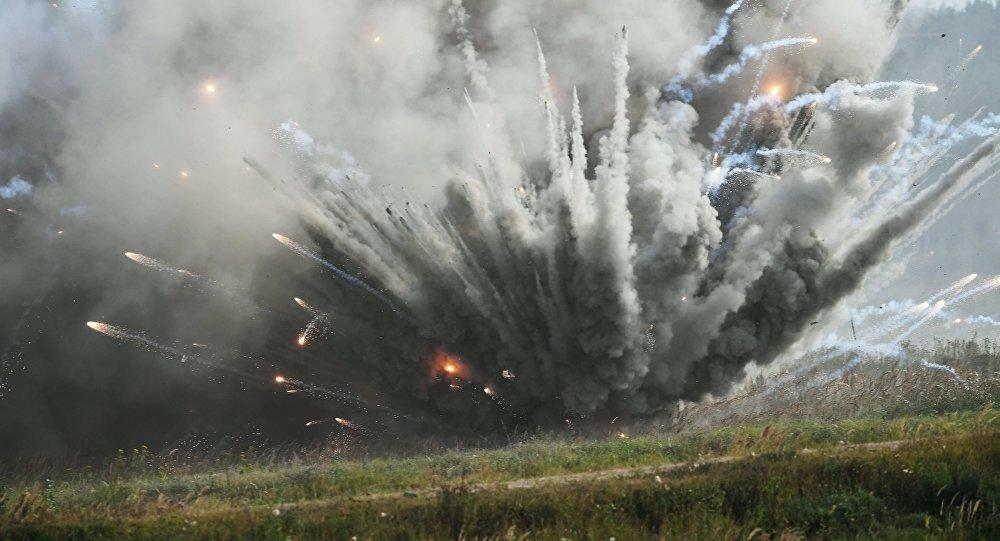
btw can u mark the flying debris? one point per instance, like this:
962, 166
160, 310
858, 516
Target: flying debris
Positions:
100, 327
157, 265
307, 307
507, 374
340, 273
141, 340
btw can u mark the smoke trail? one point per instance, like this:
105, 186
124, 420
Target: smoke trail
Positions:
796, 153
990, 285
692, 56
159, 266
476, 69
935, 310
139, 339
342, 274
945, 368
834, 93
914, 311
319, 323
981, 320
310, 309
748, 54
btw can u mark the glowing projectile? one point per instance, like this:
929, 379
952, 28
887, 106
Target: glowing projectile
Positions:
306, 306
158, 265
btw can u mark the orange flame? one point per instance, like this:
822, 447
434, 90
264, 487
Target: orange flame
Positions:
444, 363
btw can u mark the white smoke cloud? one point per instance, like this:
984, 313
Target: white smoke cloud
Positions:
16, 187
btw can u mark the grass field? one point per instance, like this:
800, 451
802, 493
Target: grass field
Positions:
764, 463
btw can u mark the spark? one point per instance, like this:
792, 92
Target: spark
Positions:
489, 391
279, 379
12, 211
103, 328
302, 340
343, 422
158, 265
185, 173
450, 368
210, 88
775, 91
305, 306
156, 166
376, 39
957, 320
312, 423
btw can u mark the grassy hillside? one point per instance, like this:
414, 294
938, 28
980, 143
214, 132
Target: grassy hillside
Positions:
781, 457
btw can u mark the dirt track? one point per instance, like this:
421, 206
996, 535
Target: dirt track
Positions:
617, 473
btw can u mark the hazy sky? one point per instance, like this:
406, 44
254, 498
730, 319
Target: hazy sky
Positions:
965, 240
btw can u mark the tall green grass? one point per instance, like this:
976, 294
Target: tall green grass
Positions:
945, 487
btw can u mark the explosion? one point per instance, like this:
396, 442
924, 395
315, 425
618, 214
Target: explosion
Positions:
444, 364
580, 278
653, 275
607, 248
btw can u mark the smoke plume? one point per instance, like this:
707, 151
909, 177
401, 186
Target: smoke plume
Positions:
496, 213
